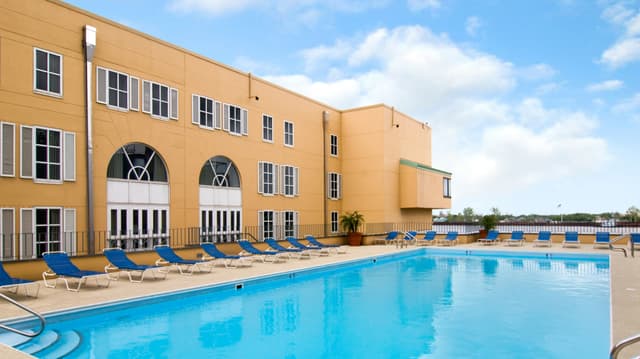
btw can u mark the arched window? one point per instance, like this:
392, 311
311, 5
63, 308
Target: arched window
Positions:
219, 171
137, 162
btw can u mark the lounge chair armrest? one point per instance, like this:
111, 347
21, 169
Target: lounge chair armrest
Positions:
162, 263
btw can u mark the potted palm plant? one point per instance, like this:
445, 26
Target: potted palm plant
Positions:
350, 223
487, 223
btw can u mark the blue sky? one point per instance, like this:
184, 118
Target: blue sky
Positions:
533, 103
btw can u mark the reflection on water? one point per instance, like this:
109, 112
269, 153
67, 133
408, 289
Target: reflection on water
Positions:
490, 267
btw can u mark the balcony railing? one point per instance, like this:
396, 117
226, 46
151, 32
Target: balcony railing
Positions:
26, 246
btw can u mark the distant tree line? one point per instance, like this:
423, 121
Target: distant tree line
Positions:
469, 215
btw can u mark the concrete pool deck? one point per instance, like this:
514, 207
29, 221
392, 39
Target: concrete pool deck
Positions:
624, 272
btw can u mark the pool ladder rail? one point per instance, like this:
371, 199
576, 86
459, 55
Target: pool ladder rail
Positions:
29, 310
613, 354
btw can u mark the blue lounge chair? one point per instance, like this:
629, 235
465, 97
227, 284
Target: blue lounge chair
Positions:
409, 238
429, 238
450, 239
61, 267
544, 239
168, 257
491, 238
214, 254
517, 238
634, 239
602, 239
571, 239
390, 238
336, 247
292, 252
9, 282
266, 256
311, 249
119, 261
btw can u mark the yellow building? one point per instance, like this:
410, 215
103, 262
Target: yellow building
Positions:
113, 137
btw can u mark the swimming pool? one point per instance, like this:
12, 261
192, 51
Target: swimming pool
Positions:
428, 304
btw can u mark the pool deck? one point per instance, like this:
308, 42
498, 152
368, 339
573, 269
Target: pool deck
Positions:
625, 285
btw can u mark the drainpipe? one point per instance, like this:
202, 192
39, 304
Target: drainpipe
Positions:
89, 49
325, 119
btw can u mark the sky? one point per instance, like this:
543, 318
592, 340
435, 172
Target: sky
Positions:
534, 105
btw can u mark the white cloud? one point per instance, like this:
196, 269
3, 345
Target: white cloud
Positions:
627, 48
537, 72
417, 5
489, 143
472, 25
622, 52
628, 105
608, 85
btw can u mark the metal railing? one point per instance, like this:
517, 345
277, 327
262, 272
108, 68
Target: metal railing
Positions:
29, 310
615, 351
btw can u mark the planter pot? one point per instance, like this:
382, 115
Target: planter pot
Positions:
354, 238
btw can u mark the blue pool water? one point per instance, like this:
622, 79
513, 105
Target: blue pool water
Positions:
427, 305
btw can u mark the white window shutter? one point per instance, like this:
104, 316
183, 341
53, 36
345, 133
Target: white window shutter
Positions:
296, 172
245, 121
101, 85
296, 218
146, 96
276, 172
339, 185
69, 151
225, 118
260, 177
261, 225
7, 151
134, 91
329, 185
277, 225
217, 115
195, 109
69, 235
281, 173
28, 240
26, 152
173, 104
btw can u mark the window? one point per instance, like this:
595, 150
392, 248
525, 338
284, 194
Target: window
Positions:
289, 180
159, 100
290, 224
288, 133
48, 230
219, 171
446, 187
138, 227
205, 112
116, 89
48, 150
266, 222
267, 128
334, 222
334, 183
334, 145
7, 149
137, 162
47, 72
235, 120
267, 178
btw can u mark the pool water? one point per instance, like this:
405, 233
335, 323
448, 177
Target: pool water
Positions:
426, 305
